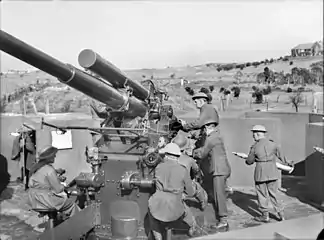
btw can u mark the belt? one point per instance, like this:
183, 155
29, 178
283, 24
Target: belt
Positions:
264, 161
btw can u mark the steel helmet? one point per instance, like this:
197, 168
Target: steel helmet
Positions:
47, 152
259, 128
171, 148
200, 95
209, 121
181, 141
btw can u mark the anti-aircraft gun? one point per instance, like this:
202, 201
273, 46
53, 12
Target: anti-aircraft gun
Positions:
122, 177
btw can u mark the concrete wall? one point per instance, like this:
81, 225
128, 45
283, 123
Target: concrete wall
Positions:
73, 160
293, 131
238, 138
315, 162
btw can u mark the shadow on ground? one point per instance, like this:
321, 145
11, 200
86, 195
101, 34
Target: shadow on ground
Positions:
246, 202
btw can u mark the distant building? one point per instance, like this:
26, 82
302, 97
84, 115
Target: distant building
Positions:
308, 49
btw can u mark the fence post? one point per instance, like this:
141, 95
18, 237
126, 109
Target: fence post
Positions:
24, 106
47, 111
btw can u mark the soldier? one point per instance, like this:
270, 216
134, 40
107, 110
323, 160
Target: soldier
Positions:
264, 153
166, 204
191, 165
45, 189
216, 170
207, 112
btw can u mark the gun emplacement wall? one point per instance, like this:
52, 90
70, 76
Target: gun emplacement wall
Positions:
73, 160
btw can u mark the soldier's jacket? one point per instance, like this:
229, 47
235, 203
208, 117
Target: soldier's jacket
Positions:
172, 180
189, 163
45, 189
207, 111
213, 156
265, 153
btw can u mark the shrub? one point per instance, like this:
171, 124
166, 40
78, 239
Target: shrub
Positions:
271, 60
291, 63
219, 69
211, 88
204, 90
266, 91
285, 59
248, 64
258, 97
190, 91
289, 90
236, 91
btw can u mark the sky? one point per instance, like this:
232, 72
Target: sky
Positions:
157, 34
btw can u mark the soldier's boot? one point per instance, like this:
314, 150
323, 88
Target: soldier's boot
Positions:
222, 225
281, 216
193, 228
263, 218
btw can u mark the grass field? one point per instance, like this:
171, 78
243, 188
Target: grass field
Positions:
64, 99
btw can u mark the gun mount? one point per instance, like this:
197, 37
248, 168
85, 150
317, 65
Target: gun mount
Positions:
122, 177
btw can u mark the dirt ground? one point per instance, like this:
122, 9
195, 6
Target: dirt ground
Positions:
18, 223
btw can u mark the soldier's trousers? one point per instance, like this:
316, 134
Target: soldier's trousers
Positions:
200, 193
158, 227
268, 191
220, 196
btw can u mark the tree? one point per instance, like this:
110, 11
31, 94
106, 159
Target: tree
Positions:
296, 99
238, 75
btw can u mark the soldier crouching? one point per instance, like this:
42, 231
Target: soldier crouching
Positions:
166, 204
191, 165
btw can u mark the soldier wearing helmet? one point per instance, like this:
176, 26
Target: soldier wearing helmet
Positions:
191, 166
264, 153
171, 181
207, 111
216, 170
45, 189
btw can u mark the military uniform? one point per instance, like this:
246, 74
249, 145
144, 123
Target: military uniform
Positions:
207, 111
45, 189
166, 204
264, 153
216, 169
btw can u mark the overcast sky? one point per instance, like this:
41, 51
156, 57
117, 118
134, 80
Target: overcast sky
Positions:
159, 34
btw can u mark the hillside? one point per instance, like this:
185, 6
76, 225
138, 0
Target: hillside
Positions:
64, 99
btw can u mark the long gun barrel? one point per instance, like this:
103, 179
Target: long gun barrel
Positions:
91, 60
72, 76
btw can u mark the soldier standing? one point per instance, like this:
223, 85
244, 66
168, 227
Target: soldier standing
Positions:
207, 112
264, 153
191, 166
216, 170
166, 204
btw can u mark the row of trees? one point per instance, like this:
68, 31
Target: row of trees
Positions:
230, 66
302, 76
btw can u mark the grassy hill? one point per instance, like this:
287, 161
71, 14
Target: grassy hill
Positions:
64, 99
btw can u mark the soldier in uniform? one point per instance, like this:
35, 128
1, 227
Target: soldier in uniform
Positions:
264, 153
216, 170
207, 112
191, 166
166, 204
45, 189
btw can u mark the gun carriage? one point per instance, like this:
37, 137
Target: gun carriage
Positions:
117, 189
